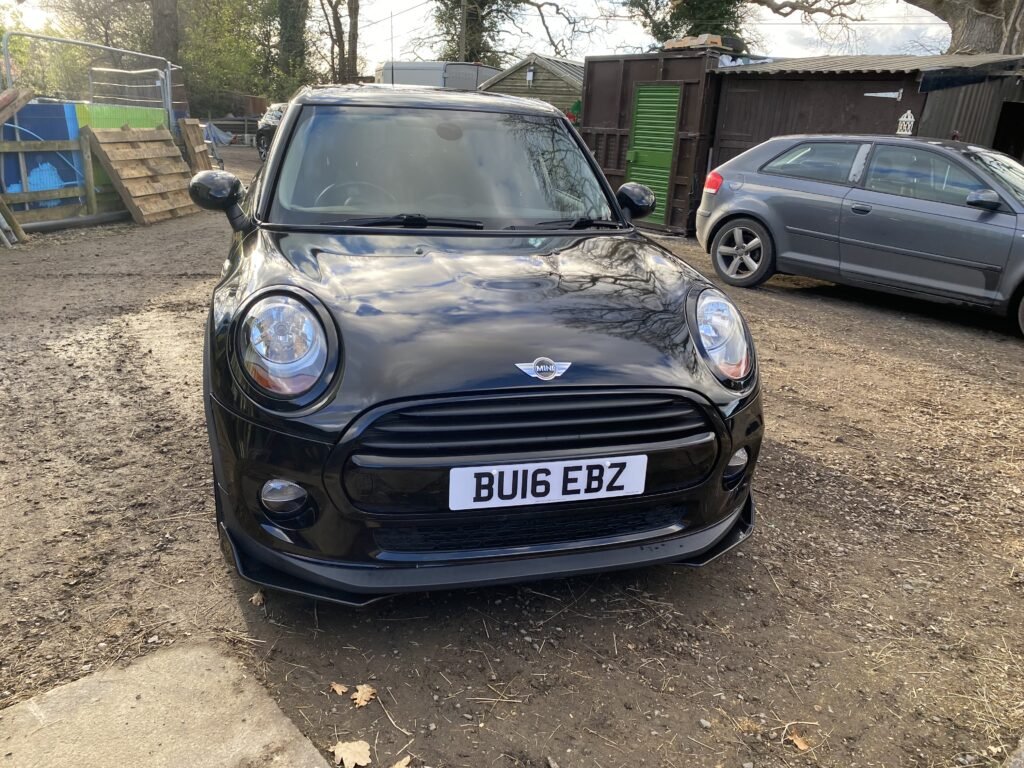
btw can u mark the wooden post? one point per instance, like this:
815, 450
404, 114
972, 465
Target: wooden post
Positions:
89, 180
5, 211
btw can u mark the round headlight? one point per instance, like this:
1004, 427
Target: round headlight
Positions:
722, 335
284, 348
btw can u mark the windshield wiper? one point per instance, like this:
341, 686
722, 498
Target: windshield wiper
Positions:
408, 220
580, 222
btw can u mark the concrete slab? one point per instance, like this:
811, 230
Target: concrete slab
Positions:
190, 705
1016, 760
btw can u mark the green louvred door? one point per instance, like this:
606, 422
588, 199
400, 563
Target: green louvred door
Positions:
652, 140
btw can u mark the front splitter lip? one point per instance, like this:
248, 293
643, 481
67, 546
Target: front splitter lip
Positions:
357, 586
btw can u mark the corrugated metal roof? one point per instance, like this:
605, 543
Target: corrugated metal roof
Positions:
570, 71
887, 64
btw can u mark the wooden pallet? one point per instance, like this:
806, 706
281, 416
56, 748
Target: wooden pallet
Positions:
196, 151
147, 170
12, 100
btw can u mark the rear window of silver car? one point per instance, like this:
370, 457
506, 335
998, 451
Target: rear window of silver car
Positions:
834, 162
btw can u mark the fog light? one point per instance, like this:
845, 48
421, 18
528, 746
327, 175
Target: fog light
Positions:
737, 462
282, 497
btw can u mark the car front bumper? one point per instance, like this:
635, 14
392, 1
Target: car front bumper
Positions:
381, 525
356, 586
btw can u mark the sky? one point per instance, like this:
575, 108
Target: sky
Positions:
394, 29
889, 26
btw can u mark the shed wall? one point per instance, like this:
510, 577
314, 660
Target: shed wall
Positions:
608, 92
973, 110
756, 108
546, 87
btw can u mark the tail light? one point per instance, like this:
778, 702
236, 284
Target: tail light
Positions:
713, 183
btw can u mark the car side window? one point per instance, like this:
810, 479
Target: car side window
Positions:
831, 161
920, 174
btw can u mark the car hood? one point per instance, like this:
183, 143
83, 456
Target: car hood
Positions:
424, 315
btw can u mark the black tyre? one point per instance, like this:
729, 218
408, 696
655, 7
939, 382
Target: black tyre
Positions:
1019, 313
743, 254
262, 146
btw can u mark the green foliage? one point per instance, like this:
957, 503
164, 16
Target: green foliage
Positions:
229, 49
483, 29
219, 68
667, 19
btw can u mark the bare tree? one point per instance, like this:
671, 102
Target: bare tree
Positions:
342, 45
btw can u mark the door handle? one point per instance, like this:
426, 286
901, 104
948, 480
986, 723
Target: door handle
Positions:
860, 208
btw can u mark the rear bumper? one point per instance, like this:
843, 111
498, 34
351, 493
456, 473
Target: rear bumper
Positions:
358, 585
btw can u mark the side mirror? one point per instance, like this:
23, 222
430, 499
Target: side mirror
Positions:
220, 191
984, 198
636, 199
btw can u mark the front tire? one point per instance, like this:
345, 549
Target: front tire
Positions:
743, 254
1019, 325
262, 146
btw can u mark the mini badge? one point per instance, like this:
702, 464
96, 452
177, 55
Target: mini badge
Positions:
543, 368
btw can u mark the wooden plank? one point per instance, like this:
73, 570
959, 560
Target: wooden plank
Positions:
149, 149
195, 147
6, 212
115, 177
121, 135
44, 194
162, 202
50, 214
148, 192
155, 166
89, 182
63, 145
15, 103
154, 186
173, 213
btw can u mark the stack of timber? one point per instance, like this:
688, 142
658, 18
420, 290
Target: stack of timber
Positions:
196, 151
147, 170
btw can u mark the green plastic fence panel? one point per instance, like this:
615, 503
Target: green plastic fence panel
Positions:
652, 140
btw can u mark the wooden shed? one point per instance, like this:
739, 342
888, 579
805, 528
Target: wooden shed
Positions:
649, 118
977, 97
559, 82
666, 118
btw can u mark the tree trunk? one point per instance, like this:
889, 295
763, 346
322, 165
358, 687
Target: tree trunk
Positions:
352, 64
980, 26
164, 14
292, 15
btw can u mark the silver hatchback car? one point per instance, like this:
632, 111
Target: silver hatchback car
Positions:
938, 220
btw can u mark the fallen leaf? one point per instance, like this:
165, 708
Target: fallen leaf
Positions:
258, 598
352, 754
798, 741
339, 689
403, 763
364, 695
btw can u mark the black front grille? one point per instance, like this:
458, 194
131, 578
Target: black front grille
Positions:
512, 531
541, 422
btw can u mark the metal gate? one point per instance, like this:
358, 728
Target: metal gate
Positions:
652, 141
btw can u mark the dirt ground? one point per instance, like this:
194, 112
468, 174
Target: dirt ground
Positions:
875, 618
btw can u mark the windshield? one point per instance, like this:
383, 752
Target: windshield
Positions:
1003, 167
499, 170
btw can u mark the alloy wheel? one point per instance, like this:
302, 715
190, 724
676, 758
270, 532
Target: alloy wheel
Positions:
740, 253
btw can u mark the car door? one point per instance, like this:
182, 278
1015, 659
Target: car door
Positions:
804, 188
909, 227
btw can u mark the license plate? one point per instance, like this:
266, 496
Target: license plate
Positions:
546, 482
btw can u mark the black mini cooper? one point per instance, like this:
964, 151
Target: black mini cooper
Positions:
441, 355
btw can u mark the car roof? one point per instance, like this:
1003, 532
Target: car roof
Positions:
956, 146
420, 97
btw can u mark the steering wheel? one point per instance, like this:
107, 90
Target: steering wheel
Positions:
351, 189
